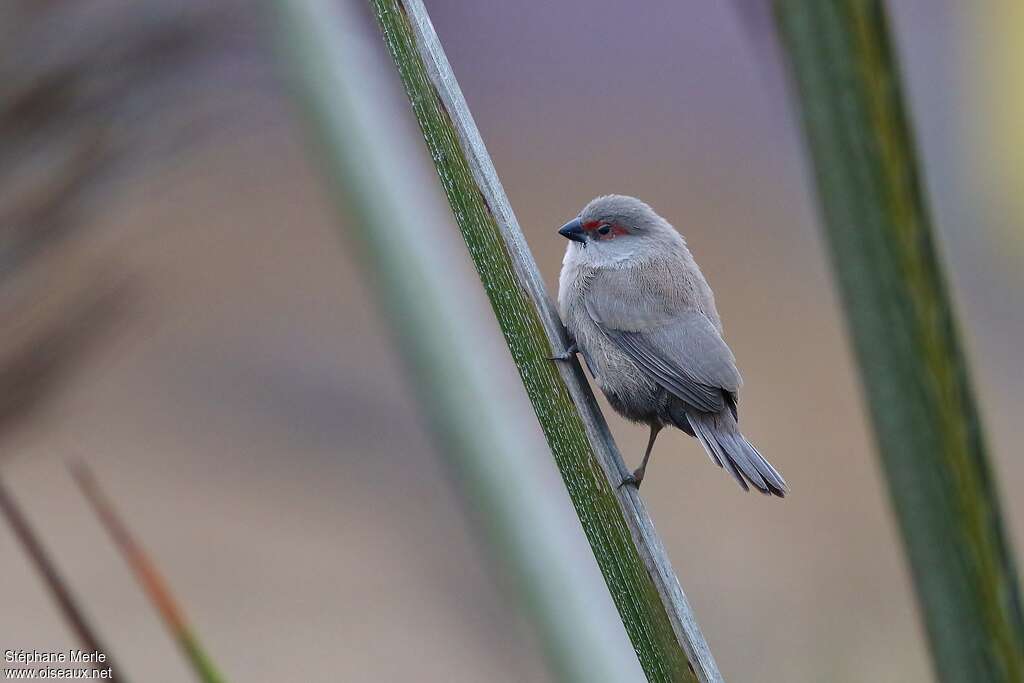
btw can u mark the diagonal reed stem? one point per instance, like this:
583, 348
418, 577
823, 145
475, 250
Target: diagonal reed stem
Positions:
56, 584
339, 99
904, 333
651, 602
146, 573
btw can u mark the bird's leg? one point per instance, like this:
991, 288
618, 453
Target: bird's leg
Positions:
567, 354
638, 476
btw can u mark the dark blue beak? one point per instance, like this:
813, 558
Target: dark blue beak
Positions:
573, 230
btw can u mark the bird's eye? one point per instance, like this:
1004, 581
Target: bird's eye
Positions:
604, 229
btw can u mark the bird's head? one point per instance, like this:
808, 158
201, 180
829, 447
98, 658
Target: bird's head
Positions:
615, 230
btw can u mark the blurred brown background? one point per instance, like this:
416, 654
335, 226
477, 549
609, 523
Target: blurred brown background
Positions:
195, 329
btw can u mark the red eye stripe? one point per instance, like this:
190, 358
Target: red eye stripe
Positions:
616, 229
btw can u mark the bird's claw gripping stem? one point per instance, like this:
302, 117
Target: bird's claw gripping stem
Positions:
567, 354
632, 480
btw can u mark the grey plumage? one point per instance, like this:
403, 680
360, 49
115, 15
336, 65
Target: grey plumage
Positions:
640, 311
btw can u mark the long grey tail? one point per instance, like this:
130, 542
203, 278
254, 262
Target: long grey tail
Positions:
721, 438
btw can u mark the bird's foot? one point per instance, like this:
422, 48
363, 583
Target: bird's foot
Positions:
567, 354
633, 480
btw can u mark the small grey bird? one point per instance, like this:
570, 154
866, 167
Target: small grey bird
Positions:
642, 315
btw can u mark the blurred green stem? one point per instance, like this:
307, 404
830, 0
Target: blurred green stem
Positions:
904, 334
416, 265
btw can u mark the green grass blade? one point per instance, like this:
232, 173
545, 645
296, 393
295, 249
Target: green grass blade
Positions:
147, 574
651, 604
904, 335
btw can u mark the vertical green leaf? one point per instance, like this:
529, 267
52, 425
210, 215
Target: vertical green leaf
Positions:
904, 334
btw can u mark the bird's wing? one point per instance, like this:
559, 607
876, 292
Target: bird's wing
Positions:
681, 350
